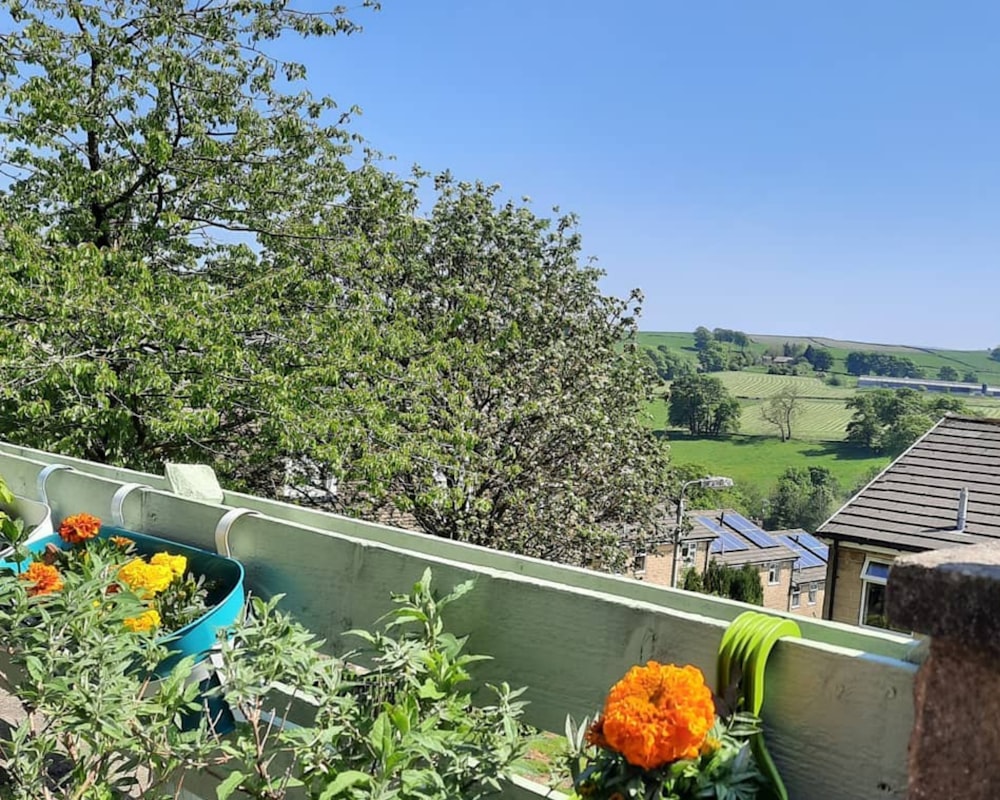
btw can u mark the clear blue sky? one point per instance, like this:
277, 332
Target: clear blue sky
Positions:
826, 168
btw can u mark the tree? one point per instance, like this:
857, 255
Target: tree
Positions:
820, 358
667, 363
781, 409
190, 271
713, 358
890, 421
702, 404
802, 498
970, 377
741, 584
995, 353
702, 337
947, 373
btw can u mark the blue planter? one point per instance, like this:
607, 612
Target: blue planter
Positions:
225, 600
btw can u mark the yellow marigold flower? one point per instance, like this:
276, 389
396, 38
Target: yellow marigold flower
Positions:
710, 745
79, 528
176, 564
45, 577
657, 714
145, 579
122, 541
145, 622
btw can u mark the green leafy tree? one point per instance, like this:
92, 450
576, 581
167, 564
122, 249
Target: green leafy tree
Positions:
947, 373
741, 583
970, 377
702, 337
802, 498
703, 405
713, 357
820, 358
190, 271
995, 353
887, 420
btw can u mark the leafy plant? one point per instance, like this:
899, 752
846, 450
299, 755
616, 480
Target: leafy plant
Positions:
392, 719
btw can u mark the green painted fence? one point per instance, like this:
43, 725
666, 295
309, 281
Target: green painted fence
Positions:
839, 701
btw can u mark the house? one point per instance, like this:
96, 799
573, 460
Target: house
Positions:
943, 491
791, 564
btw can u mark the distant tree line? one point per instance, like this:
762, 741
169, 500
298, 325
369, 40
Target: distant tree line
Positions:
886, 364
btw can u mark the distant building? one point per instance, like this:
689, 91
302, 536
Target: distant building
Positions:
952, 387
791, 564
943, 491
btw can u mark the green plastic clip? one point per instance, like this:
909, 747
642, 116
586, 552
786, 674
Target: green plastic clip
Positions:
746, 644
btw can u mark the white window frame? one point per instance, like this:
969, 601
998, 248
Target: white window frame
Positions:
813, 593
639, 563
796, 599
689, 553
773, 573
866, 582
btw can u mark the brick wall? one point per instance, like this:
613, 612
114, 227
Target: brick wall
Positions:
847, 585
776, 596
805, 609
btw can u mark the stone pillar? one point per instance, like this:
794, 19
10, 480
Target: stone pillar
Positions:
953, 596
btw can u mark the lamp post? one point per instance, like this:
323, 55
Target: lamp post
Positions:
712, 482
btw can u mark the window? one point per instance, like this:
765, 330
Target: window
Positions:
689, 551
874, 576
639, 563
813, 587
796, 596
773, 573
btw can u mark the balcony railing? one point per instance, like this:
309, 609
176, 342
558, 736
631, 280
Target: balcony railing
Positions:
839, 706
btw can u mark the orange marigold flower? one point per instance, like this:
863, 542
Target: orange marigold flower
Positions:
145, 622
45, 577
79, 528
122, 541
145, 579
658, 714
176, 564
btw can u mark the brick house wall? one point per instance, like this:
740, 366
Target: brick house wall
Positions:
660, 561
848, 586
814, 611
776, 595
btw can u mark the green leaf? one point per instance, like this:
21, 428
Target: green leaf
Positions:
229, 785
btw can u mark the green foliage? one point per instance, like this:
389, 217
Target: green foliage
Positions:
702, 405
887, 420
802, 498
713, 357
970, 377
875, 363
11, 529
200, 277
667, 363
995, 353
692, 582
781, 411
702, 338
947, 373
820, 357
741, 584
404, 726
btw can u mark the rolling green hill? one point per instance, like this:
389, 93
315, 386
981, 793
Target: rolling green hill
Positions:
756, 455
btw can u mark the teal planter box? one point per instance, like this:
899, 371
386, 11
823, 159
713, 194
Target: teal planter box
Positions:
225, 600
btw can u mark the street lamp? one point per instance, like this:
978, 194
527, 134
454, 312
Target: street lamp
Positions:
710, 482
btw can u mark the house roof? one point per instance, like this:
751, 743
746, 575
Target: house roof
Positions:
913, 504
735, 539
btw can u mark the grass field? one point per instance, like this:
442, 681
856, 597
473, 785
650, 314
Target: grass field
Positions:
760, 460
931, 359
757, 457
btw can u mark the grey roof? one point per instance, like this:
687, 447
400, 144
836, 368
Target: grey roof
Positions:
913, 504
753, 554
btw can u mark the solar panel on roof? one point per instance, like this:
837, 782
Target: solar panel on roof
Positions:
726, 542
806, 559
740, 523
814, 544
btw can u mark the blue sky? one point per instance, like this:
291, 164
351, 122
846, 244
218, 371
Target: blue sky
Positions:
825, 168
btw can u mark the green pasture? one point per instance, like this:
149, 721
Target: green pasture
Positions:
760, 460
930, 359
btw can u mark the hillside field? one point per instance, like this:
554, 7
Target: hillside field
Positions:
756, 456
931, 359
